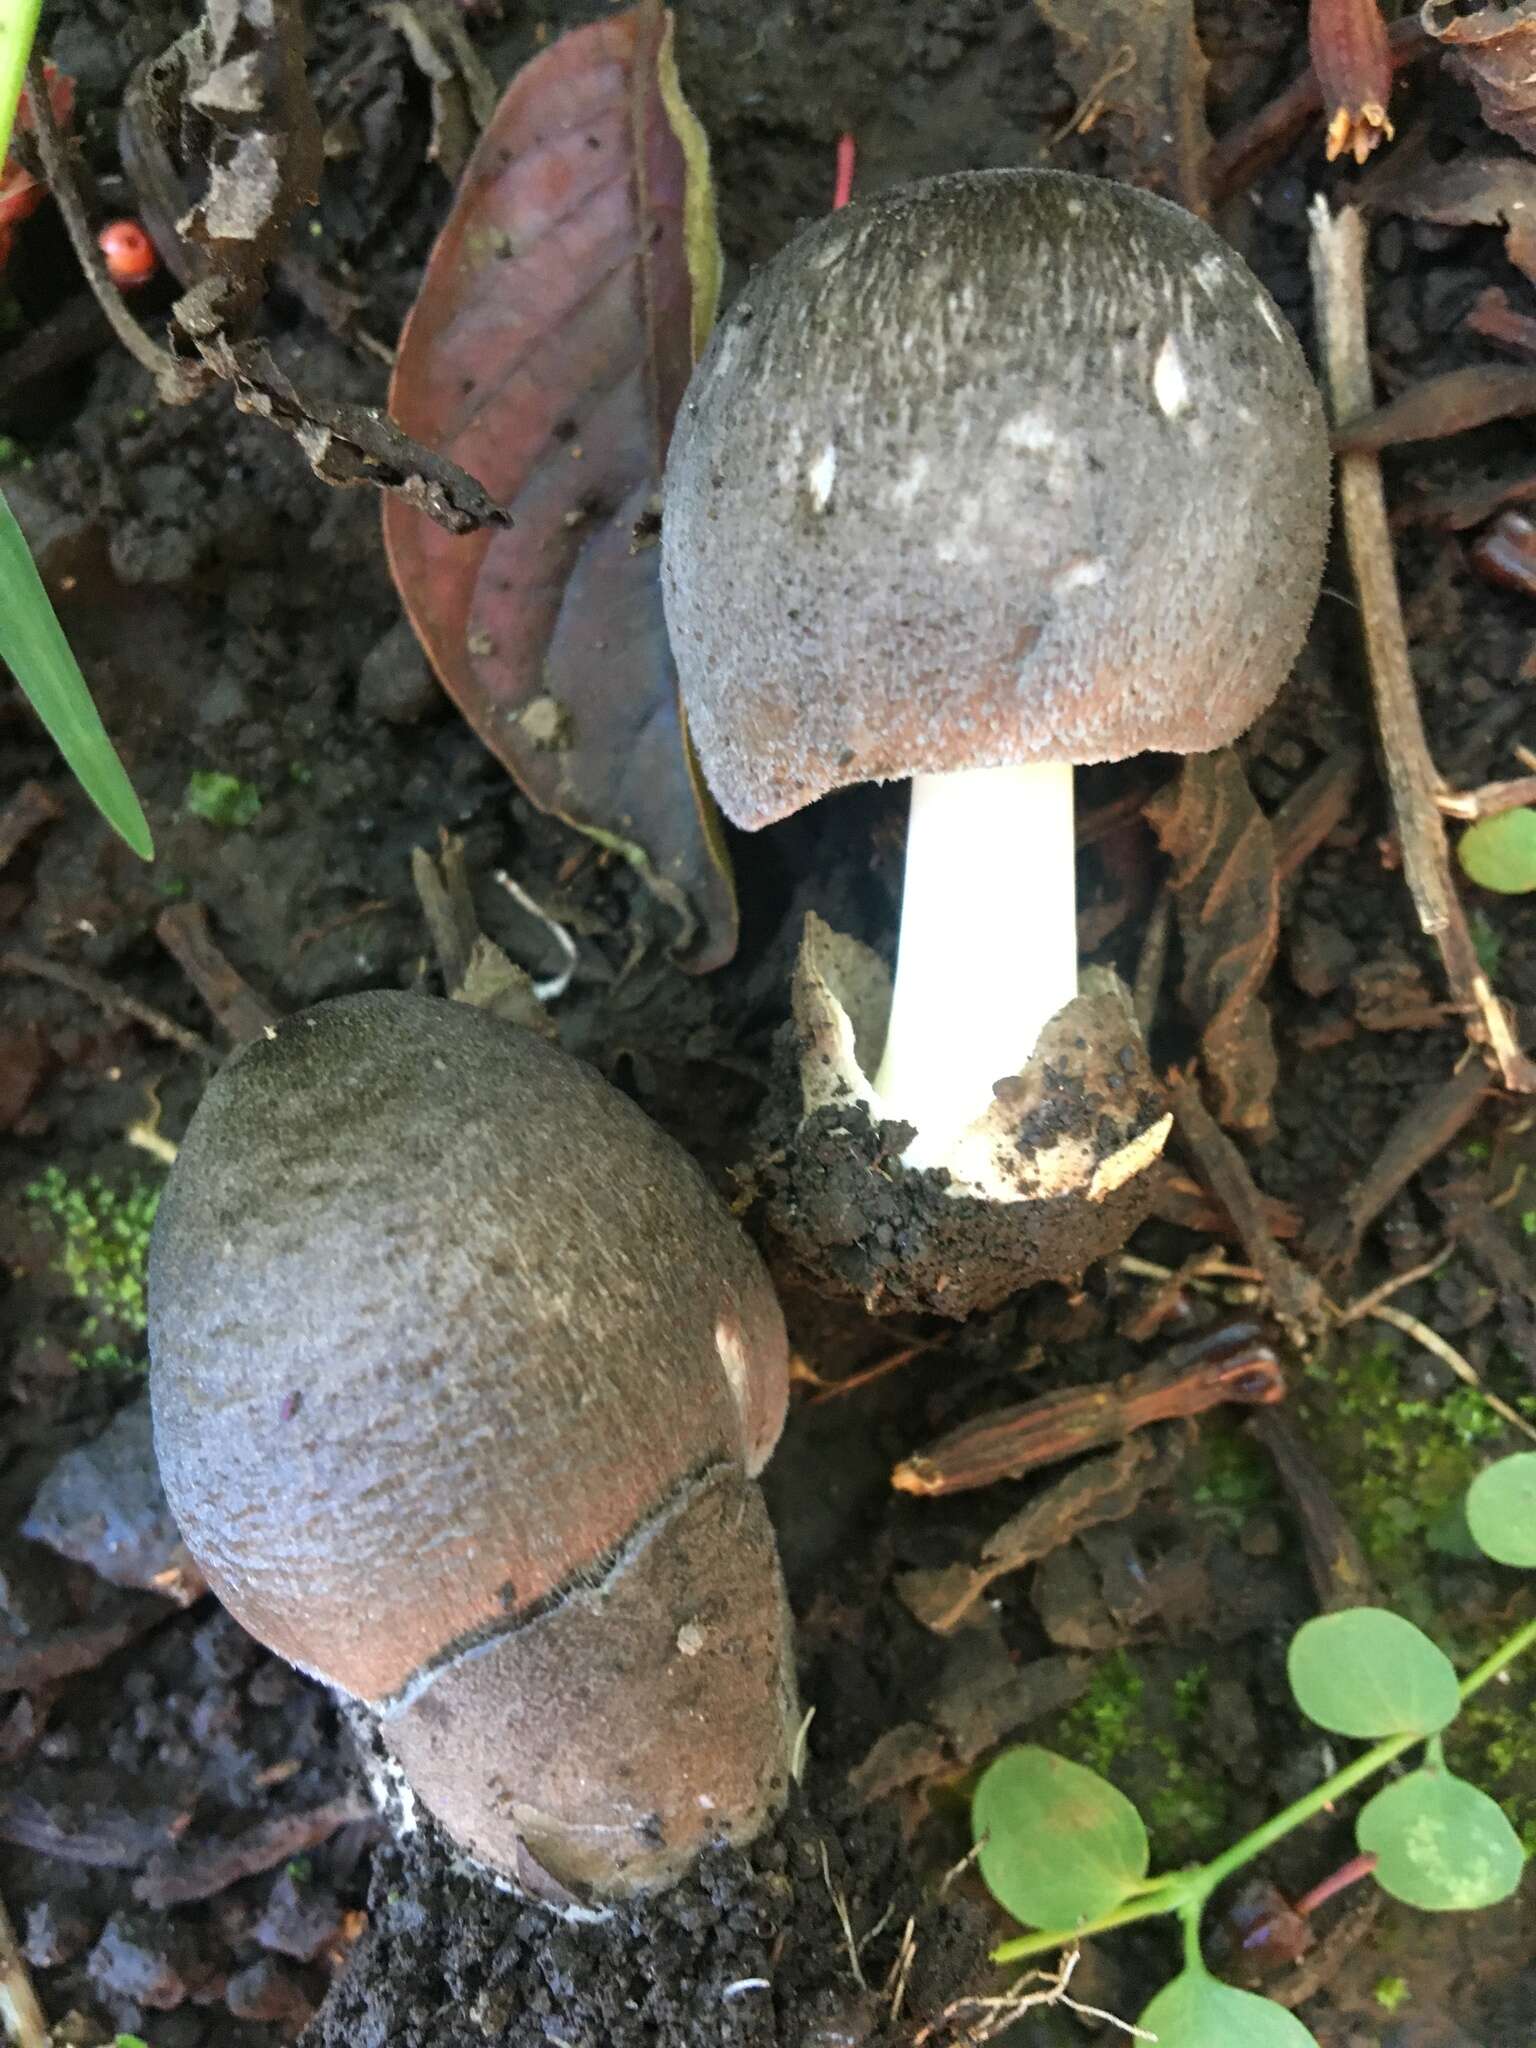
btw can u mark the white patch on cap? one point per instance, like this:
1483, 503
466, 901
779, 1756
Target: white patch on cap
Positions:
1030, 430
1081, 573
906, 490
1269, 319
821, 476
725, 352
731, 1344
1210, 271
1170, 386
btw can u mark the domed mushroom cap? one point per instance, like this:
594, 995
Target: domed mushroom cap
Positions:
997, 467
436, 1318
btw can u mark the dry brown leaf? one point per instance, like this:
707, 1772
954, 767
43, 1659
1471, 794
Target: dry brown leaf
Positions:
1470, 191
1495, 47
1227, 900
1449, 404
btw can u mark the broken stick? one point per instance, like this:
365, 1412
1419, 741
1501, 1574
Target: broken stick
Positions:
1338, 281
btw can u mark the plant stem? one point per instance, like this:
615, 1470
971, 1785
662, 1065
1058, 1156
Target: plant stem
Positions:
1190, 1915
18, 27
1185, 1892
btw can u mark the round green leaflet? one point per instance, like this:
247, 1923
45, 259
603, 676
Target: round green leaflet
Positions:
1058, 1843
1369, 1673
1501, 1510
1440, 1844
1199, 2011
1500, 853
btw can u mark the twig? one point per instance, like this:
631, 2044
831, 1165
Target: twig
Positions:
1317, 808
1151, 962
1086, 113
901, 1968
28, 811
1490, 801
1298, 1298
1448, 1355
1338, 278
175, 382
183, 931
25, 2023
446, 905
115, 1002
840, 1907
1369, 1303
1235, 1364
1425, 1128
1336, 1563
832, 1390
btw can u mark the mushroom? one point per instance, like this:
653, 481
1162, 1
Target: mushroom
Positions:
990, 475
460, 1375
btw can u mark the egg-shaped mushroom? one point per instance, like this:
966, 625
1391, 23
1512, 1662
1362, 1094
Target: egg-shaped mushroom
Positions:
460, 1375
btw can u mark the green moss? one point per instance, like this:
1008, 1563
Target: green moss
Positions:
102, 1251
1189, 1812
1112, 1730
1191, 1692
222, 800
1099, 1728
1398, 1466
1493, 1742
1391, 1992
1231, 1477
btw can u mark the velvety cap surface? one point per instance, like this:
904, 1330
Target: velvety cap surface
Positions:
996, 467
436, 1318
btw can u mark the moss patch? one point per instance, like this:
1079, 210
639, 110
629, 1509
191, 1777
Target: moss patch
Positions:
102, 1251
1149, 1745
1399, 1465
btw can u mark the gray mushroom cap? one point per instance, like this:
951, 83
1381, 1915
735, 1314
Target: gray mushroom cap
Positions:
997, 467
437, 1319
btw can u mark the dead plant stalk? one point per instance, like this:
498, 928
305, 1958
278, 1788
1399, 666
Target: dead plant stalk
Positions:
1338, 282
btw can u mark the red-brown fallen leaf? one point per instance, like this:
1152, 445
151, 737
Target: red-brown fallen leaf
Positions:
549, 349
1493, 317
1451, 403
1495, 46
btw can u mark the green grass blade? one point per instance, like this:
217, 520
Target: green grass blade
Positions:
18, 25
33, 647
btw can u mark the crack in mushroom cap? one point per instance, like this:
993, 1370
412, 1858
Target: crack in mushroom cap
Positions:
437, 1317
996, 467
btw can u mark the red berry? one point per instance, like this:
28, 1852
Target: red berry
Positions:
129, 252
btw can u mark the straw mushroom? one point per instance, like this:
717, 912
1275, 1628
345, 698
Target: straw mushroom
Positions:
460, 1375
994, 474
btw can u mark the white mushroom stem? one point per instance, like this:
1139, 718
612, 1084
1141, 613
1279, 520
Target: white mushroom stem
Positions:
988, 946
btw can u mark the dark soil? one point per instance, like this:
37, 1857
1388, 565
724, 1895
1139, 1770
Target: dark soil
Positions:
184, 1845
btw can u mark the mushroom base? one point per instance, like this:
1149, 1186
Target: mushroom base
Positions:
1078, 1129
646, 1715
